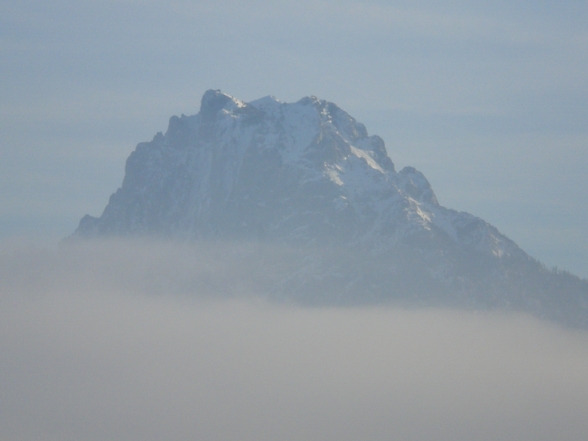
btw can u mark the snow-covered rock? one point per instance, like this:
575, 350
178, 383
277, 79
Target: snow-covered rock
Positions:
307, 175
300, 173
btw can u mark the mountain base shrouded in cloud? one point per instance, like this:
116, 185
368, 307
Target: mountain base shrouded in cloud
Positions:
98, 343
306, 179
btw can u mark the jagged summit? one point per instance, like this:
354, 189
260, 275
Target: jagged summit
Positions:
304, 172
309, 176
214, 101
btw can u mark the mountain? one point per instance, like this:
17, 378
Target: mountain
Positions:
308, 178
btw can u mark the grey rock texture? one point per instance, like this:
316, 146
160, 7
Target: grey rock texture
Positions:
307, 176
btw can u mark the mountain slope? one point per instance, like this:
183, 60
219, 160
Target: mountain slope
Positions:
296, 172
307, 175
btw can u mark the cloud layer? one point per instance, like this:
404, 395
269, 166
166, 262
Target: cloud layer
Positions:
87, 352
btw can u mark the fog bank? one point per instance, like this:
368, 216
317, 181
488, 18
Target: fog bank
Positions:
95, 346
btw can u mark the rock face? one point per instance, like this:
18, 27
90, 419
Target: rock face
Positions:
301, 173
307, 176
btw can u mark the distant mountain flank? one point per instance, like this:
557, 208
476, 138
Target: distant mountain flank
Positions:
307, 177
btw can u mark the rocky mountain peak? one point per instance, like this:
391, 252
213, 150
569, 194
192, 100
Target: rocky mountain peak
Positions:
214, 100
303, 172
307, 176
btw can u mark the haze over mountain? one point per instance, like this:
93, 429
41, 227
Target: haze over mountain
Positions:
307, 178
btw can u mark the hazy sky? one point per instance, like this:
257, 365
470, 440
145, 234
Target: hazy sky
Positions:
87, 354
488, 99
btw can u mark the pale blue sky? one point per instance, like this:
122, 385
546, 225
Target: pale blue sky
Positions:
488, 99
